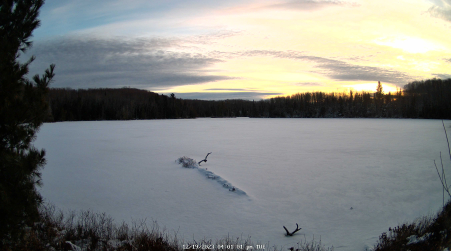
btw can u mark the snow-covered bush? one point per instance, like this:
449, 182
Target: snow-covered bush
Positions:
187, 162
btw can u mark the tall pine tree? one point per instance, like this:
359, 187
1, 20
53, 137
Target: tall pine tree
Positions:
23, 108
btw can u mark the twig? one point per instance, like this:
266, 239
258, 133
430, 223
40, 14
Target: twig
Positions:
447, 141
442, 175
442, 180
291, 234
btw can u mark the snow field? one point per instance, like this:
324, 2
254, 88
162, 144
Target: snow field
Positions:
305, 171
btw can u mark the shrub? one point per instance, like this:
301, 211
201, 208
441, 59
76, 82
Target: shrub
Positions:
91, 231
187, 162
426, 233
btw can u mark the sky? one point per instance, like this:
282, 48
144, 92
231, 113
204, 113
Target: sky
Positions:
246, 49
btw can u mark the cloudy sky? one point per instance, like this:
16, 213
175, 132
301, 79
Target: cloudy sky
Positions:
249, 49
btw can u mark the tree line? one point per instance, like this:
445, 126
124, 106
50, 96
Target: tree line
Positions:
418, 99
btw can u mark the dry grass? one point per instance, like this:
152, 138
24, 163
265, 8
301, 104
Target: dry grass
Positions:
92, 231
86, 230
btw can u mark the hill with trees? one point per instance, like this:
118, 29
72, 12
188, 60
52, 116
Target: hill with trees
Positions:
419, 99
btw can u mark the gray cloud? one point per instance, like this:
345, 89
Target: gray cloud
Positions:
226, 89
308, 84
340, 70
141, 63
343, 71
225, 95
307, 5
442, 76
442, 10
150, 64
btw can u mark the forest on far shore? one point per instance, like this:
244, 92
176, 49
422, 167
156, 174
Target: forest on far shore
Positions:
429, 99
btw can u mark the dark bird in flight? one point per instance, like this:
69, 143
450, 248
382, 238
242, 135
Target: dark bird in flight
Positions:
204, 160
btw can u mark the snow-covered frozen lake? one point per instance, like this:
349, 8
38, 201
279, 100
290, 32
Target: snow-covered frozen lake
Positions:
305, 171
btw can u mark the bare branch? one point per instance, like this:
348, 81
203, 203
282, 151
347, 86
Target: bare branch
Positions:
442, 175
292, 233
447, 141
288, 233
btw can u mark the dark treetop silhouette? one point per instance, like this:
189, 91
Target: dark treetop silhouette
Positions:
428, 99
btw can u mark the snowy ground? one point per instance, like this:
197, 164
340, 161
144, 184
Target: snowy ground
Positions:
305, 171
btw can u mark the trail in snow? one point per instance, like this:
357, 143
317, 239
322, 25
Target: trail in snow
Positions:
223, 182
190, 163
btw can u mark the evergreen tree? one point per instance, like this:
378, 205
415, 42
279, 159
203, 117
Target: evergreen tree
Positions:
23, 108
379, 95
379, 91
